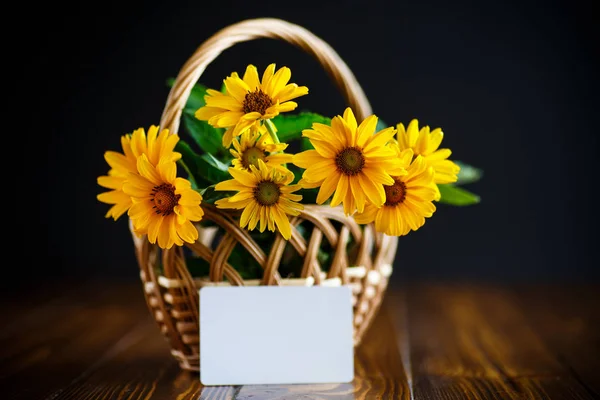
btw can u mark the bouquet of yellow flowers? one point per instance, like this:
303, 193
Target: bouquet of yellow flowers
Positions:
389, 176
255, 193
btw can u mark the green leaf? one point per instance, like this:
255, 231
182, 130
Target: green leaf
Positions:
196, 99
215, 162
468, 173
210, 195
306, 144
205, 168
457, 196
189, 173
290, 126
209, 139
380, 125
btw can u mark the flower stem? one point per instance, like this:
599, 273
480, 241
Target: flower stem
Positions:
272, 131
191, 177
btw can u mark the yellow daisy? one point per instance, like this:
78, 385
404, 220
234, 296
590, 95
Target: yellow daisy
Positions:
164, 205
253, 146
154, 145
407, 202
425, 143
349, 161
265, 195
249, 100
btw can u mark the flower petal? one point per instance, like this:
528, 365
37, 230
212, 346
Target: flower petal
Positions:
236, 87
290, 92
282, 221
342, 130
367, 216
328, 187
243, 177
167, 171
111, 182
358, 193
373, 191
187, 231
206, 113
165, 240
279, 81
139, 142
380, 139
113, 197
350, 119
224, 102
119, 162
365, 130
226, 119
147, 170
320, 170
154, 228
267, 76
340, 191
251, 78
307, 158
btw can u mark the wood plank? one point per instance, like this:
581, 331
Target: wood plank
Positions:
66, 337
138, 366
475, 342
30, 305
448, 341
568, 322
378, 364
379, 373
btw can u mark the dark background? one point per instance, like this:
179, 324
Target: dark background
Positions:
513, 85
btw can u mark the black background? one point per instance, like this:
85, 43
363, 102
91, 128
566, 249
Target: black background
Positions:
513, 85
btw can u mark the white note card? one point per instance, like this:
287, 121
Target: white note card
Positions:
276, 335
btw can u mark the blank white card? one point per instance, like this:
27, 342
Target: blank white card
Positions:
276, 335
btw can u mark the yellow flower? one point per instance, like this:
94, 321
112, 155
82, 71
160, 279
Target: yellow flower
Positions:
249, 100
349, 161
253, 146
425, 143
408, 201
163, 205
155, 146
265, 195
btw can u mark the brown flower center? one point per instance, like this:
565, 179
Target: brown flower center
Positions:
164, 198
251, 155
257, 101
350, 161
267, 193
394, 194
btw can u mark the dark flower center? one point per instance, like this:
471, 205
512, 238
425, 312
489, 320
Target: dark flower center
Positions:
350, 161
164, 198
257, 101
267, 193
394, 194
251, 155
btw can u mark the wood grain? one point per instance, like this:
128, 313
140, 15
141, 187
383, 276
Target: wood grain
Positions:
427, 342
476, 342
567, 321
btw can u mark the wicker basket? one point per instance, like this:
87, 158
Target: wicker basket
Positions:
172, 295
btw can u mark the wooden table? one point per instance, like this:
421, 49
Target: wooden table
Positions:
429, 341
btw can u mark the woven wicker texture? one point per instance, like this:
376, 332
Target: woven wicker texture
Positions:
365, 265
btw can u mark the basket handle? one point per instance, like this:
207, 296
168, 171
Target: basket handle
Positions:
257, 29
